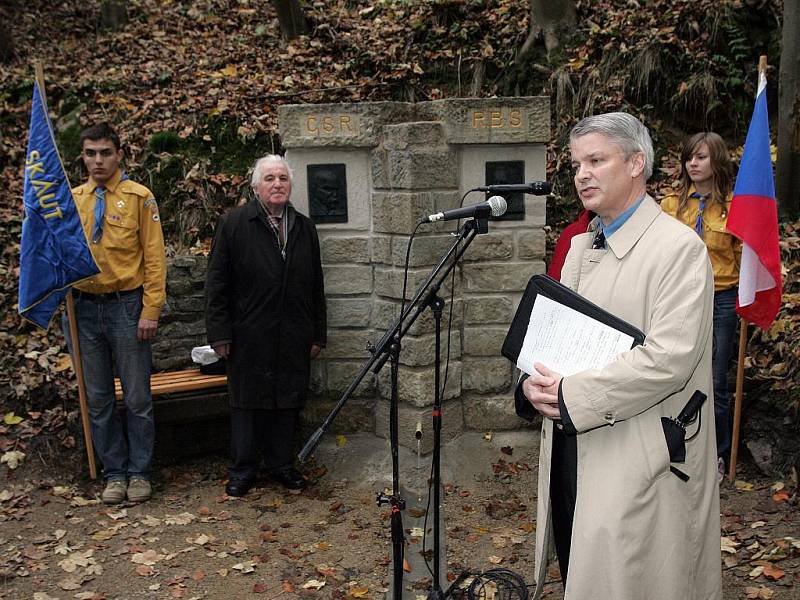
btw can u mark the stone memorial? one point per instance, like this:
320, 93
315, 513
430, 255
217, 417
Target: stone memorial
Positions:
402, 162
366, 174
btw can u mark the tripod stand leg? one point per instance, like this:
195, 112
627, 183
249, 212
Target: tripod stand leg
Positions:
395, 501
437, 304
398, 552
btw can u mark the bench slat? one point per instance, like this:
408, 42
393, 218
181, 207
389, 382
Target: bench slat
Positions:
185, 386
178, 381
176, 376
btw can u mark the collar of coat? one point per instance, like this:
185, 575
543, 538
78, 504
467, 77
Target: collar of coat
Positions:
625, 238
253, 212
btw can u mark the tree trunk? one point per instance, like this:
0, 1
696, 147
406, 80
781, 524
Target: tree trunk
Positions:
478, 75
552, 17
291, 18
787, 185
113, 14
7, 52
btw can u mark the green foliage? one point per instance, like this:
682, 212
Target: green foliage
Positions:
681, 65
196, 176
228, 151
19, 92
68, 142
694, 62
163, 179
739, 46
69, 103
164, 141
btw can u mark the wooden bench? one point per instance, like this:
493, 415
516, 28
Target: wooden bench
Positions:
184, 426
178, 381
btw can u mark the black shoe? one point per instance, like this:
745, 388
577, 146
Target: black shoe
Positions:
238, 487
290, 478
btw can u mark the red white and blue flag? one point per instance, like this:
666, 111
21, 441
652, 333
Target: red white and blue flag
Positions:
753, 219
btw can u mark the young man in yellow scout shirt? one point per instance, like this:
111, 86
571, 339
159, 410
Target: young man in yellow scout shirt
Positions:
117, 312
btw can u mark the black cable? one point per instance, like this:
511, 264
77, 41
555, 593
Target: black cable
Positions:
450, 317
498, 584
441, 393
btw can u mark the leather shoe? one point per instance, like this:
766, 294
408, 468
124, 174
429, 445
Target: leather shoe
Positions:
290, 478
238, 487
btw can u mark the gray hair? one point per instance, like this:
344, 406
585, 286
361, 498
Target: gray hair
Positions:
625, 130
269, 159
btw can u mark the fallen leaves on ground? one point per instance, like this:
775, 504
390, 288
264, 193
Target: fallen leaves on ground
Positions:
171, 547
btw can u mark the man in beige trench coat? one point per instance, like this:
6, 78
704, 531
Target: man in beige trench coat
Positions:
626, 526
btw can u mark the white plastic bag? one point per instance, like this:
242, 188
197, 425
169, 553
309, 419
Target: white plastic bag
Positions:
204, 355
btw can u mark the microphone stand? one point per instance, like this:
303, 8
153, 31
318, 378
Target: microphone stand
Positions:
389, 348
397, 504
436, 304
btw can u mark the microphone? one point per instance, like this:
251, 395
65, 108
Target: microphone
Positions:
494, 206
537, 188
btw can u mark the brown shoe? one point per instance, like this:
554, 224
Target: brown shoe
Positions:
139, 490
115, 491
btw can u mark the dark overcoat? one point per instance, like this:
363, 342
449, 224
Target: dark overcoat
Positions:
270, 309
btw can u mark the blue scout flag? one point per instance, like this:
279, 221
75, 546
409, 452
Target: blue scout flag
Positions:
54, 253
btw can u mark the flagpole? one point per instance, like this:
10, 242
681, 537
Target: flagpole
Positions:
87, 432
73, 332
737, 410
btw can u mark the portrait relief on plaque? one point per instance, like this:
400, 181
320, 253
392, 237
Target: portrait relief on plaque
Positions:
327, 193
506, 172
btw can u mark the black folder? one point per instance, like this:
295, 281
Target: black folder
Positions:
549, 287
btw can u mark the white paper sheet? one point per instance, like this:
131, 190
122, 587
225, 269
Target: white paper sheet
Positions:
568, 341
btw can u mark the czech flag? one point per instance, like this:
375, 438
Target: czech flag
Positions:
753, 218
54, 252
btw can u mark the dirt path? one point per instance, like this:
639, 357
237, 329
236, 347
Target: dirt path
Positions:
330, 541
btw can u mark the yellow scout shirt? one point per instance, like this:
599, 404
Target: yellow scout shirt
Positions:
724, 250
131, 252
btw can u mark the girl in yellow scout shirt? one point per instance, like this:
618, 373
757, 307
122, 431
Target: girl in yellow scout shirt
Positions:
702, 203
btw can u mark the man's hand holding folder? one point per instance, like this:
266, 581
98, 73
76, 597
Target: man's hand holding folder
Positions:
541, 389
556, 325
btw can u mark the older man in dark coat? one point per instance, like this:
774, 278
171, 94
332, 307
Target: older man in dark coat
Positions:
265, 313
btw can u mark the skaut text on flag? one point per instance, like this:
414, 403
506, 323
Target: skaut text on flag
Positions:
54, 253
753, 219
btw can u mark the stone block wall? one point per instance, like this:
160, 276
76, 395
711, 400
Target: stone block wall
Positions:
407, 161
182, 325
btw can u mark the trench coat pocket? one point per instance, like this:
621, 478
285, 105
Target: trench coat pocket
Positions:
656, 451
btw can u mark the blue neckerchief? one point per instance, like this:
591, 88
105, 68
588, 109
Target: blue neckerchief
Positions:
99, 212
698, 224
100, 209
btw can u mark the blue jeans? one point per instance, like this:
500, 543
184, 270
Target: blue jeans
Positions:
725, 321
107, 334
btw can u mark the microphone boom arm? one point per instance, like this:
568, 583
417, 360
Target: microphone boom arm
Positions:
380, 352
